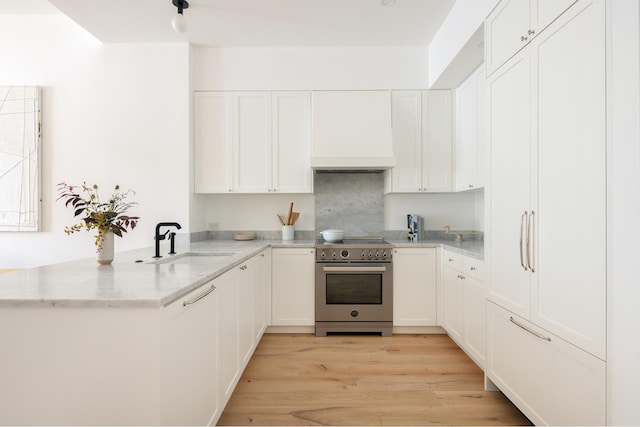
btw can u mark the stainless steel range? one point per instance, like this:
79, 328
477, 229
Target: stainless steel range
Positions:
354, 286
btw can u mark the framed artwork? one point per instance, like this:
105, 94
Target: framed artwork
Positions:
19, 158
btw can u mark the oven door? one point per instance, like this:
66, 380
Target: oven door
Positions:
358, 292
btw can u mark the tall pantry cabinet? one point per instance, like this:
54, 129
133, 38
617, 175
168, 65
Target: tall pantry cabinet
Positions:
546, 321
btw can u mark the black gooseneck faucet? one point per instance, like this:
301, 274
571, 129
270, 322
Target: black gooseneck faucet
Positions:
159, 236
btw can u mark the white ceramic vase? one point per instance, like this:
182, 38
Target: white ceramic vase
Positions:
105, 254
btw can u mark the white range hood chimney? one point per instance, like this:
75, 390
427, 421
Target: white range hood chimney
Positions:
351, 130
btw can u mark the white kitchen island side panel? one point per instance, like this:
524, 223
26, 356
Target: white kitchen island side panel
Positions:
64, 366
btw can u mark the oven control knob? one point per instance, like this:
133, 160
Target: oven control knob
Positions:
362, 255
334, 255
344, 254
384, 254
322, 254
370, 254
354, 313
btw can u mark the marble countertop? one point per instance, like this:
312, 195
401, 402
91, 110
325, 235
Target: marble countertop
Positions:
472, 248
135, 280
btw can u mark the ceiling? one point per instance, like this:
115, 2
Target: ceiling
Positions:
253, 23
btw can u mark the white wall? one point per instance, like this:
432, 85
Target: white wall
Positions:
310, 68
623, 352
458, 210
454, 52
111, 114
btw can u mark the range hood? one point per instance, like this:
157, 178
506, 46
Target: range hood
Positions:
351, 130
352, 163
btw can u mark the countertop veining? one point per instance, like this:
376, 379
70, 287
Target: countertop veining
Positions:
133, 280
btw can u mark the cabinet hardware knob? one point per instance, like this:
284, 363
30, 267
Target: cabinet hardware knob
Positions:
473, 269
530, 32
450, 259
470, 185
523, 38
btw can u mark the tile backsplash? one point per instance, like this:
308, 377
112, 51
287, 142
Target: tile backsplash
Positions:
350, 201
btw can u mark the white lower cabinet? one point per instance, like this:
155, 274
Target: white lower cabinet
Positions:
190, 393
240, 328
228, 330
551, 381
414, 286
464, 304
292, 287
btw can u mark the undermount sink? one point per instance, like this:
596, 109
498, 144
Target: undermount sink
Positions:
198, 258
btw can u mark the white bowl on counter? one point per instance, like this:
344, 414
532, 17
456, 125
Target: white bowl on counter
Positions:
333, 235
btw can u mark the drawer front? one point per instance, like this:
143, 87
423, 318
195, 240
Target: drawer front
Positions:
452, 260
473, 267
548, 379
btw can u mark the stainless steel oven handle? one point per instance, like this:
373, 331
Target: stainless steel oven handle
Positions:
354, 269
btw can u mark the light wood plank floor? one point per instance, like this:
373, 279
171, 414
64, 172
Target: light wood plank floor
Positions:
404, 380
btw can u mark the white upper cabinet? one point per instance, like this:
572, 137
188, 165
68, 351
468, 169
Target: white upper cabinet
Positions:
406, 176
514, 23
252, 142
422, 142
213, 148
351, 129
291, 118
470, 140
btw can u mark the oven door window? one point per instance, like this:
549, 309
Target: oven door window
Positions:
354, 288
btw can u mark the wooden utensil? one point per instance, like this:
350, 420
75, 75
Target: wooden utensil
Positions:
290, 212
281, 219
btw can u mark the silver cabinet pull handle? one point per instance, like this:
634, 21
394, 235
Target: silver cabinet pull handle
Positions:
530, 220
542, 337
521, 239
198, 298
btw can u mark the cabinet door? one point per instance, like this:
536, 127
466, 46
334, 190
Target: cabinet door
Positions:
414, 287
570, 292
481, 120
506, 32
510, 129
190, 392
551, 381
246, 313
406, 175
252, 142
466, 135
437, 141
475, 316
453, 304
291, 142
228, 319
213, 142
257, 271
293, 286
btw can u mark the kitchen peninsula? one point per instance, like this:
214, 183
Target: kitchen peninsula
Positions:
132, 343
